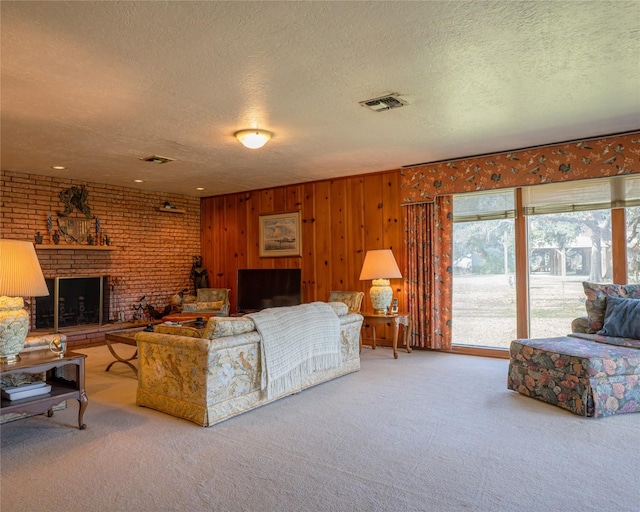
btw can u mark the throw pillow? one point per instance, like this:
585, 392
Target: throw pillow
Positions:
209, 306
340, 308
622, 318
212, 294
596, 300
217, 327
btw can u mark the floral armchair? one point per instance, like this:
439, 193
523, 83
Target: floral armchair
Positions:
209, 300
352, 299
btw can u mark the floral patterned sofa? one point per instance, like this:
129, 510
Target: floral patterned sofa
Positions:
219, 375
595, 371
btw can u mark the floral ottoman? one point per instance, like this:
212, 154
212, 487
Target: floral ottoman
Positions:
585, 376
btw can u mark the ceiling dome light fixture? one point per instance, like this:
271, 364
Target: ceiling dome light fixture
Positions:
254, 138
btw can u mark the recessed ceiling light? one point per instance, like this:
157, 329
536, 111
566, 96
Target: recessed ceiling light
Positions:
139, 181
58, 167
199, 188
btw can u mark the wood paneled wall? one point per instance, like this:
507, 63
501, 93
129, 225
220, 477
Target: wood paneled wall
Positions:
341, 220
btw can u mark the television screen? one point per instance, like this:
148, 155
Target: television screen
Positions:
261, 288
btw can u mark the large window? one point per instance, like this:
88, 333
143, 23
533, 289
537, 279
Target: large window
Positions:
569, 235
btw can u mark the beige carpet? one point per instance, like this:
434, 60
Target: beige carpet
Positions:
426, 432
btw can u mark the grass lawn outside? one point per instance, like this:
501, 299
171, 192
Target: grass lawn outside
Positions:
484, 308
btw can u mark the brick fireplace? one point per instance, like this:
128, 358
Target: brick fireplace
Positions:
150, 253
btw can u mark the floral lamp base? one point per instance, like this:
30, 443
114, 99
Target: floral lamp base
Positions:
380, 294
14, 325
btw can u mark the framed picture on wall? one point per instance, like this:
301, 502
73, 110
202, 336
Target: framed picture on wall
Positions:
280, 235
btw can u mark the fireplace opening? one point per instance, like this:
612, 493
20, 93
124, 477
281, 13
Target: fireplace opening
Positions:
73, 301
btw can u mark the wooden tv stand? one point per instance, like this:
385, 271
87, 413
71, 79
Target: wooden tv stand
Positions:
61, 388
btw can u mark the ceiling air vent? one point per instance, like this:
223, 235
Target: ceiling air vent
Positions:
384, 103
158, 159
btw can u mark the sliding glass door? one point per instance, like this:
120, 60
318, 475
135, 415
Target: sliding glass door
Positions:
567, 233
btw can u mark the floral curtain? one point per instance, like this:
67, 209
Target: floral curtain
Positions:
428, 246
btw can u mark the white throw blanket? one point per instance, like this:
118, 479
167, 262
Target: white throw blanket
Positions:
296, 340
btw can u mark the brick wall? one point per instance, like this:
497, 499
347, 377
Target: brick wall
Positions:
151, 251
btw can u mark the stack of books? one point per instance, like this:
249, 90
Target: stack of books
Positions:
36, 388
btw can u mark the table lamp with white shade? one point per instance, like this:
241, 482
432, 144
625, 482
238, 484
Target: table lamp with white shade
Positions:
20, 276
379, 266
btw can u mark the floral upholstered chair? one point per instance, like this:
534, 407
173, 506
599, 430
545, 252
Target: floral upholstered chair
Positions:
209, 300
352, 299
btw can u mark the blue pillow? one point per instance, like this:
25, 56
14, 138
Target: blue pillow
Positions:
621, 318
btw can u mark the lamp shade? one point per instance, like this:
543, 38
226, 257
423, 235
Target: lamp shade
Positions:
20, 276
253, 139
379, 264
20, 272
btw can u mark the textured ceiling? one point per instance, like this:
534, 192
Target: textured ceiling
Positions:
96, 86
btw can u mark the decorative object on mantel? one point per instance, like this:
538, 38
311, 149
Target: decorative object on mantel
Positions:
167, 205
77, 197
379, 266
56, 237
38, 238
21, 276
76, 230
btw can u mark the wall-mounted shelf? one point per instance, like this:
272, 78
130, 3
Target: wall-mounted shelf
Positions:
75, 247
172, 210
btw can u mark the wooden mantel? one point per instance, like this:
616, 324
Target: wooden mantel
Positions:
75, 247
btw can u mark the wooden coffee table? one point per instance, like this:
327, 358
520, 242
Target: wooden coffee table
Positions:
127, 337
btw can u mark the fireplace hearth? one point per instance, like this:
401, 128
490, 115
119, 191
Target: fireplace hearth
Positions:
73, 301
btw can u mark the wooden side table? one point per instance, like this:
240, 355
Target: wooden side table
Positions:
372, 320
61, 389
